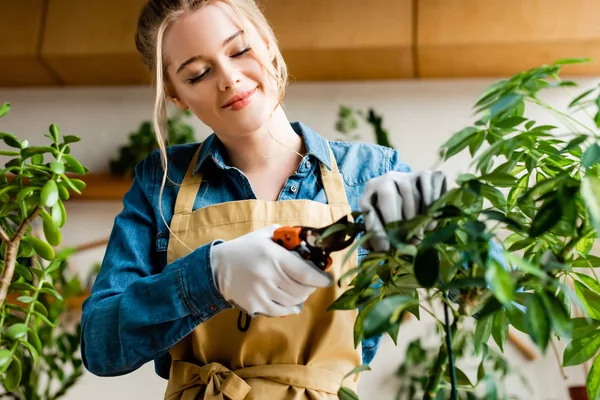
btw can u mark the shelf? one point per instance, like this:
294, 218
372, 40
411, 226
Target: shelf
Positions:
101, 186
72, 303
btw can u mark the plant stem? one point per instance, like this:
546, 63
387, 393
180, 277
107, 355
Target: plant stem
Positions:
454, 395
557, 356
12, 249
435, 375
4, 235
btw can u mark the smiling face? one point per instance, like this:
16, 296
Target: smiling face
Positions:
214, 70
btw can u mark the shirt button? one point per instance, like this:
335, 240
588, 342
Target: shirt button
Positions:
213, 307
307, 164
293, 188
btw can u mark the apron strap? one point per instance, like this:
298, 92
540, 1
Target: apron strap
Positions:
189, 188
333, 184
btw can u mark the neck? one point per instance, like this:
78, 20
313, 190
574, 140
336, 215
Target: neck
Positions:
272, 147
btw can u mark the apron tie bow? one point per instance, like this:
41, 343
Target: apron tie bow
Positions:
214, 379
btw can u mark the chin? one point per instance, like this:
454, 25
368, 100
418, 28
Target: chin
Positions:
250, 119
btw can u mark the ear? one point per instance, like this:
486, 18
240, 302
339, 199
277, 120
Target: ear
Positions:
270, 49
179, 103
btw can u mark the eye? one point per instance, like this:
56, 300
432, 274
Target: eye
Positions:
243, 52
198, 78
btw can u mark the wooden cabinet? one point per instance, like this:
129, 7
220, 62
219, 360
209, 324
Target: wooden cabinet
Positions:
473, 38
344, 39
21, 28
91, 42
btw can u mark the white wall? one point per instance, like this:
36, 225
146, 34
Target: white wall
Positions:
419, 114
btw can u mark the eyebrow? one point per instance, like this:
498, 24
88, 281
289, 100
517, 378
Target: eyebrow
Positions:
194, 58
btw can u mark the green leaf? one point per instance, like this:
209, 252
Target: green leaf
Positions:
49, 194
5, 356
536, 321
4, 109
25, 299
427, 267
439, 236
504, 103
11, 140
583, 326
459, 141
54, 265
59, 214
57, 167
345, 393
500, 329
588, 261
545, 219
579, 351
34, 339
71, 139
495, 196
385, 313
499, 179
574, 143
499, 281
590, 300
591, 155
516, 317
590, 282
360, 368
510, 122
51, 232
524, 265
476, 142
42, 248
579, 60
483, 330
593, 380
34, 353
54, 132
13, 375
590, 190
16, 331
347, 301
559, 318
74, 165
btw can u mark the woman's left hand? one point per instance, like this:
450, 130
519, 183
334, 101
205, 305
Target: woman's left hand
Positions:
397, 196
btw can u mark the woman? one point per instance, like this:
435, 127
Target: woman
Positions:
192, 249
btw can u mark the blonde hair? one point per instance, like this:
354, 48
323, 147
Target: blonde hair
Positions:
156, 17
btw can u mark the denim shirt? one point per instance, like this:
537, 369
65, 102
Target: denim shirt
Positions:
140, 306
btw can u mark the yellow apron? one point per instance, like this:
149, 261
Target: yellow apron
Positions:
302, 356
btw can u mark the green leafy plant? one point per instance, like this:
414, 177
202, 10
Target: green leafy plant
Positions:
142, 142
35, 350
534, 189
347, 123
491, 372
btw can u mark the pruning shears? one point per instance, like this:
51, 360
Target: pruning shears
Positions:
316, 244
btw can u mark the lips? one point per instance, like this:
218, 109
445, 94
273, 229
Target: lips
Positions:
240, 97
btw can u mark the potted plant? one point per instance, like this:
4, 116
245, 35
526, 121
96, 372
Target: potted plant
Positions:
142, 142
38, 356
534, 190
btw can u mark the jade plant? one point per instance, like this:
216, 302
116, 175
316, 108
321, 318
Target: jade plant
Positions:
38, 356
533, 189
142, 142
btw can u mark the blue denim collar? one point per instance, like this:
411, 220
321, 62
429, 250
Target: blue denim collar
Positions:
316, 146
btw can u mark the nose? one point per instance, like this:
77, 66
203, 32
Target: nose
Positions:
229, 76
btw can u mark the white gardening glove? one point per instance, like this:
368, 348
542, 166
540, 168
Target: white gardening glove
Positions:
262, 277
397, 196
